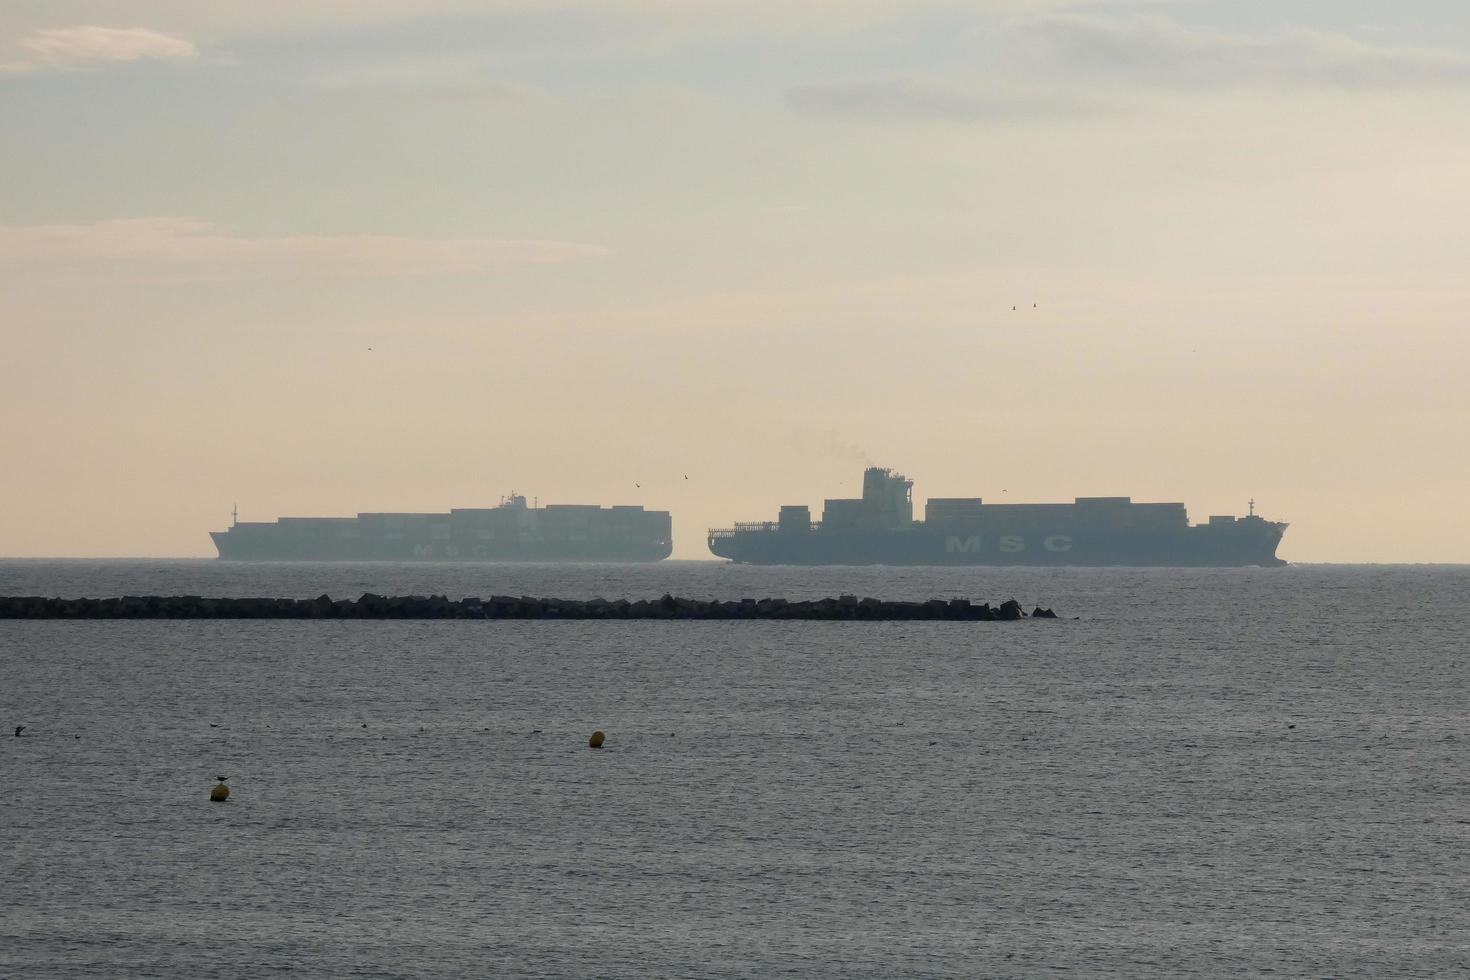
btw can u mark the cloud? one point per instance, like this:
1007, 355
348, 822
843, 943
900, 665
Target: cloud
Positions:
186, 248
1160, 52
217, 21
904, 99
1050, 65
80, 48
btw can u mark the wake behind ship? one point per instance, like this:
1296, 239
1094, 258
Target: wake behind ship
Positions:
879, 529
509, 532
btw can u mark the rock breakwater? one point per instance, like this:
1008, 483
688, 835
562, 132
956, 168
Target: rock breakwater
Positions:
371, 606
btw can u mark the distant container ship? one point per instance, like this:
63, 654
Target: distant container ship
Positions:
879, 529
510, 532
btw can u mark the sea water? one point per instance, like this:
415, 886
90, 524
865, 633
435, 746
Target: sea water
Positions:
1227, 772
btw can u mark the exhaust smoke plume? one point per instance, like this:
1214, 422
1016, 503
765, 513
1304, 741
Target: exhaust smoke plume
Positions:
829, 444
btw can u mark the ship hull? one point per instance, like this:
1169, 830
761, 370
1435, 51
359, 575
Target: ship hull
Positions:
1242, 545
243, 550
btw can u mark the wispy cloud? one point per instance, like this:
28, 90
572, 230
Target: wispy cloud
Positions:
1158, 51
218, 22
81, 48
903, 99
1047, 65
188, 248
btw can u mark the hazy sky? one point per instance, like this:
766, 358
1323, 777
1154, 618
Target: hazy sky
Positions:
322, 256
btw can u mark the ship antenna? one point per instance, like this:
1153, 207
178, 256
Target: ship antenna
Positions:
1253, 507
234, 514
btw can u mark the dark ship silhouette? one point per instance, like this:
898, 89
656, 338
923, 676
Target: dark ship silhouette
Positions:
879, 529
510, 532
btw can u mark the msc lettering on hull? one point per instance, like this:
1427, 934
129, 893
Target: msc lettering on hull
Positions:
1005, 543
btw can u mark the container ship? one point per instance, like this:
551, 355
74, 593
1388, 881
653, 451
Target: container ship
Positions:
879, 529
512, 531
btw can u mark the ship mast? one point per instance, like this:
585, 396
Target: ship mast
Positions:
1253, 507
234, 514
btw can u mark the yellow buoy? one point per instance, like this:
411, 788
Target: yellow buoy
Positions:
220, 793
595, 742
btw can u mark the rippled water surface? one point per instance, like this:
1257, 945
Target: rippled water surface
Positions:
1206, 773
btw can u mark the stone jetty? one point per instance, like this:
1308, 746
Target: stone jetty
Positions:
370, 606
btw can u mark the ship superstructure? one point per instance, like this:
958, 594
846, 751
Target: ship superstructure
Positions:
879, 528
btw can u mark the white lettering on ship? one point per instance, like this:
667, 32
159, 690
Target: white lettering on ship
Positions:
1008, 543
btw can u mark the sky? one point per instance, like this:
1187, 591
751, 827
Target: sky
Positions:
315, 257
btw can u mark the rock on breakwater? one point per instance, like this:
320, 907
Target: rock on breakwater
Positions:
372, 606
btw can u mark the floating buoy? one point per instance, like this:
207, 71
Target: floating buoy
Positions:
221, 792
595, 742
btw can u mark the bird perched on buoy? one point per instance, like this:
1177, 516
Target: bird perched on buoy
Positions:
595, 742
221, 792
